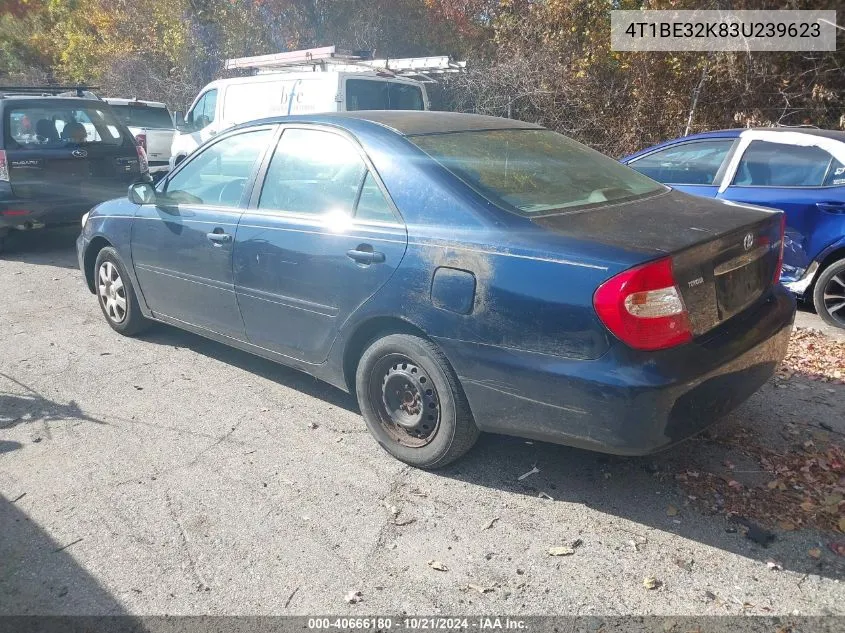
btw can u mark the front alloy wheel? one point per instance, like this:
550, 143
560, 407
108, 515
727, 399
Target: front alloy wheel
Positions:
112, 292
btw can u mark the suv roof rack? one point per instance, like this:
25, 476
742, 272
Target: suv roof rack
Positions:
49, 91
314, 59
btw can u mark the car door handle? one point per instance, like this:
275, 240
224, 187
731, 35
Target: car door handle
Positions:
831, 207
365, 254
219, 237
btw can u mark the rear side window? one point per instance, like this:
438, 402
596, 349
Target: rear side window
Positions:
313, 172
767, 164
46, 125
144, 116
835, 174
369, 94
693, 163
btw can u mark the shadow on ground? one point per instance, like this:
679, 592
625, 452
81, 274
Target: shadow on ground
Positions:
39, 576
636, 489
55, 246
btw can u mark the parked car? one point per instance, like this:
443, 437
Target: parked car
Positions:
59, 156
298, 82
152, 126
459, 273
798, 170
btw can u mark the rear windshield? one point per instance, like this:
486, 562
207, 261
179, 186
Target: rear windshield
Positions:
535, 171
369, 94
45, 125
144, 116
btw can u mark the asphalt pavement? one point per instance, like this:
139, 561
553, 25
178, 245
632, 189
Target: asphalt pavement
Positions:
171, 474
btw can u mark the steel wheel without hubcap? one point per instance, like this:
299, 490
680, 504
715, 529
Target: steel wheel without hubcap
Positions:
834, 298
111, 292
405, 400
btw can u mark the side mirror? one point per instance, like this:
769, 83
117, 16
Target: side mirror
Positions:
142, 193
179, 120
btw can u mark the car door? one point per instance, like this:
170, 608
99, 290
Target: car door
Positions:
319, 238
182, 243
690, 166
799, 180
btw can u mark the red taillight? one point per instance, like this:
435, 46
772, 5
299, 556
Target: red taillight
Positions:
779, 267
4, 166
14, 212
643, 307
141, 141
143, 165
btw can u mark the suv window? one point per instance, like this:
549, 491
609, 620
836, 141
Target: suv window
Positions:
140, 115
373, 94
218, 174
46, 125
203, 113
766, 164
693, 163
313, 172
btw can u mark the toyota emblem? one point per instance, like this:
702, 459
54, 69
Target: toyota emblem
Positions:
79, 153
748, 242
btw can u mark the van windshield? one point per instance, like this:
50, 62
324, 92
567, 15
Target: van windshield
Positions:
141, 115
535, 171
375, 94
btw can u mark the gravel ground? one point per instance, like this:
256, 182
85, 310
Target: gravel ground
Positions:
170, 474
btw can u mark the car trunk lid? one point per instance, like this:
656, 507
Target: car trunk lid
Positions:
724, 257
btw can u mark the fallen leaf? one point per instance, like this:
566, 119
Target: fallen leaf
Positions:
672, 511
787, 526
533, 471
807, 506
437, 565
479, 588
561, 551
814, 552
353, 597
492, 523
773, 484
832, 500
650, 582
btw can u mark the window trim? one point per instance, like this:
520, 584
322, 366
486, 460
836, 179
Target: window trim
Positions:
161, 187
719, 172
255, 196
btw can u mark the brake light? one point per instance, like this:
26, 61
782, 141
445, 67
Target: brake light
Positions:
779, 267
141, 141
643, 307
4, 167
14, 212
143, 165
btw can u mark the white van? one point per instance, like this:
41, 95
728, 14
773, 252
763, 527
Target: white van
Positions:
228, 102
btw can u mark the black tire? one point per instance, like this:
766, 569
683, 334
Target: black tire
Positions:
128, 321
435, 441
831, 282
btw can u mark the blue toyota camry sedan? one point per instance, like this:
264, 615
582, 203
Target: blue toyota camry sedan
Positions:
800, 171
459, 274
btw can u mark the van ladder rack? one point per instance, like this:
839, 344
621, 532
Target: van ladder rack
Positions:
420, 68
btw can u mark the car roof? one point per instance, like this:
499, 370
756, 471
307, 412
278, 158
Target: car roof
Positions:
125, 101
413, 122
66, 100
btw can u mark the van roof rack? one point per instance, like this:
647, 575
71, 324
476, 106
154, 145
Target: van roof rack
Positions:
315, 59
49, 91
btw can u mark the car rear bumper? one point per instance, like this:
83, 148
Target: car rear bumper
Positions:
24, 213
626, 402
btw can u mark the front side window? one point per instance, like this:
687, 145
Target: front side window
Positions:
535, 171
204, 111
218, 174
373, 94
767, 164
693, 163
53, 126
313, 172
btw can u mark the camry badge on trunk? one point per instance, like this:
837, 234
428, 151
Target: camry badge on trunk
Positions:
748, 242
79, 153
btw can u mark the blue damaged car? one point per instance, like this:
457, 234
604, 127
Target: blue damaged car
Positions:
459, 274
800, 171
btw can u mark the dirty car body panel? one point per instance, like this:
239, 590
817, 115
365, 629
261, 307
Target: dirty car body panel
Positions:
508, 295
